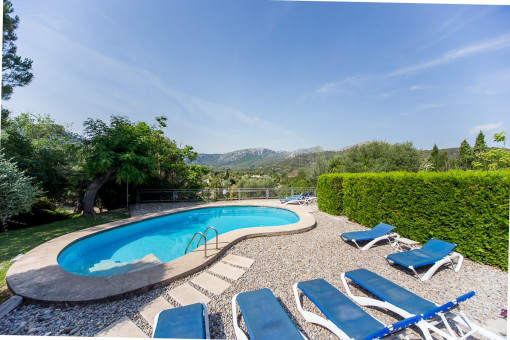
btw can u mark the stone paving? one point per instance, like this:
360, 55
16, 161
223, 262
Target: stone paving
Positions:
184, 294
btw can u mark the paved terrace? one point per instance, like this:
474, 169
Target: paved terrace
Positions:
278, 262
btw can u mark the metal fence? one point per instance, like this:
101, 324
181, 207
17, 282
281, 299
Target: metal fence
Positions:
187, 195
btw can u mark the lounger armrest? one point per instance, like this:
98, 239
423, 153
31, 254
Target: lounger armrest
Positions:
396, 327
449, 305
240, 335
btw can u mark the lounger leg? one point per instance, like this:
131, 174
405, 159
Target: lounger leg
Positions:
239, 332
206, 321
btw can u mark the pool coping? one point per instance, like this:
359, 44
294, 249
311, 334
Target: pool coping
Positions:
38, 277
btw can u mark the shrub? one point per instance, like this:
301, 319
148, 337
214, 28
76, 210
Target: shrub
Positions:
43, 212
469, 209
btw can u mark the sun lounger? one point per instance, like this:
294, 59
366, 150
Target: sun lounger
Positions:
378, 233
407, 304
434, 252
187, 322
341, 315
263, 316
291, 199
301, 199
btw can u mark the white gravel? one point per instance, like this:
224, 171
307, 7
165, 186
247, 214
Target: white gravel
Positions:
280, 261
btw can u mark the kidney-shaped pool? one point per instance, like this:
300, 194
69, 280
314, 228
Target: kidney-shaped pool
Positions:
163, 239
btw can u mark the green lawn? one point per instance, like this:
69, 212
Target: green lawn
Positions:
21, 241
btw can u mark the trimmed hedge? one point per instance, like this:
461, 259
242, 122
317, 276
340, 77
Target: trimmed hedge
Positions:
470, 209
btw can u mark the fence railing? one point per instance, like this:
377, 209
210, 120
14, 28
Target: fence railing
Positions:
226, 194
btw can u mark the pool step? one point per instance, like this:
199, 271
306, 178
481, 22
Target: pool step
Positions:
185, 294
122, 328
211, 283
151, 309
146, 262
227, 271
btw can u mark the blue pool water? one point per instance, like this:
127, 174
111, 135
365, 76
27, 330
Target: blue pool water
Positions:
110, 252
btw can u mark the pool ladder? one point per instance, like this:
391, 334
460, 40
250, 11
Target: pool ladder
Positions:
203, 237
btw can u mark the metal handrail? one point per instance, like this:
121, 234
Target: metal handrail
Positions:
205, 231
197, 233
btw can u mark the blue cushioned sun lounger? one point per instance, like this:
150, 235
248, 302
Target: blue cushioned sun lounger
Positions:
187, 322
378, 233
407, 304
263, 316
301, 199
342, 316
435, 252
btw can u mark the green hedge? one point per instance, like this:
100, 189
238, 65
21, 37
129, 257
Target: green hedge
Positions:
468, 208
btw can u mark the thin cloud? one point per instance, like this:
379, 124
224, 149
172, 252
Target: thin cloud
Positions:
479, 48
485, 128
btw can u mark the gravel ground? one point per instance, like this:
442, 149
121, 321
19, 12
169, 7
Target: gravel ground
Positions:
280, 261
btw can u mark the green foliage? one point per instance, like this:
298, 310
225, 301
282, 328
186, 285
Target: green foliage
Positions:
17, 193
250, 182
330, 193
493, 158
378, 157
469, 209
43, 211
136, 153
45, 150
465, 156
15, 71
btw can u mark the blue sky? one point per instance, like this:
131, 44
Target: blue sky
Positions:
231, 75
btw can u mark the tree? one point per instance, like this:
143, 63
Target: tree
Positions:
434, 158
478, 149
15, 71
378, 157
17, 193
45, 150
135, 153
465, 156
493, 158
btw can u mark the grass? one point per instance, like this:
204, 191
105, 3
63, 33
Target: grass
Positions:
20, 241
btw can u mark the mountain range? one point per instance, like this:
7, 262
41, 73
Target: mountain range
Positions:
250, 158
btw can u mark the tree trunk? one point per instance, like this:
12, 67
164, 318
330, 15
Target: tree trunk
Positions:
90, 194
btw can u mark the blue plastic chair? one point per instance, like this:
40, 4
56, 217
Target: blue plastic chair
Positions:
263, 316
187, 322
378, 233
434, 252
407, 304
341, 315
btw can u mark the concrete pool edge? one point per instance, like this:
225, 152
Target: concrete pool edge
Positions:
38, 277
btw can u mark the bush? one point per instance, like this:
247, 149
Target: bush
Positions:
43, 212
469, 209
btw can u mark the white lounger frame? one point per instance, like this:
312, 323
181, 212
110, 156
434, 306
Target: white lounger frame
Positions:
240, 334
369, 245
319, 320
447, 259
429, 325
206, 322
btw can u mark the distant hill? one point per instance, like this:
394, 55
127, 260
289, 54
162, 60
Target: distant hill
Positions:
254, 158
281, 161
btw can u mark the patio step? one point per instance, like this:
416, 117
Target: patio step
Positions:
185, 294
237, 260
122, 328
151, 309
211, 283
227, 271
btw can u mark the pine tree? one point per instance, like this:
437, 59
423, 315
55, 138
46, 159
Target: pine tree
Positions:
15, 71
465, 156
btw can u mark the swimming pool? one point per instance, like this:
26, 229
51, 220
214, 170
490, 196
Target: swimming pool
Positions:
165, 238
